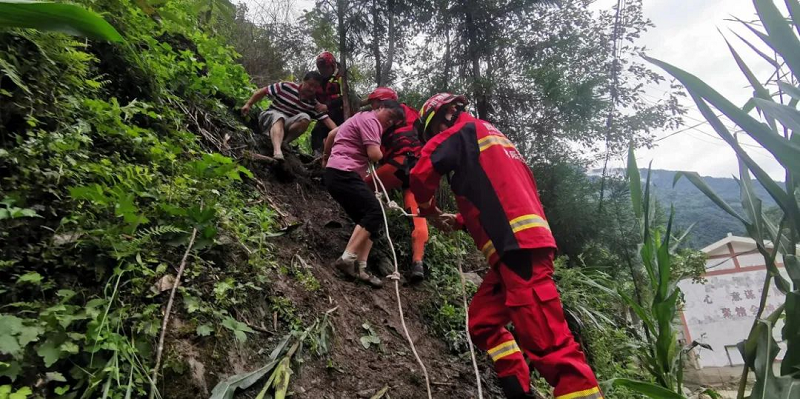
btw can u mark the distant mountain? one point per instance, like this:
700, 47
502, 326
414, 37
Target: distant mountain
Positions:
691, 205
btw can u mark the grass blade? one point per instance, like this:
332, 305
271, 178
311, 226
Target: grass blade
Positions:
56, 17
750, 203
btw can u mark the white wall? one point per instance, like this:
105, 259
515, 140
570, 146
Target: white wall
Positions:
721, 312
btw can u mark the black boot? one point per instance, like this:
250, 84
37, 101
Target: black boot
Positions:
417, 272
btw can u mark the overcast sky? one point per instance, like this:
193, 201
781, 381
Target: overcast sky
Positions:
686, 35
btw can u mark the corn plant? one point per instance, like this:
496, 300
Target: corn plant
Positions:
771, 118
660, 354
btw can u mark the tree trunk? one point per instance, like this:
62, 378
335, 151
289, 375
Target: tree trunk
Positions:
447, 59
474, 57
392, 33
341, 10
376, 42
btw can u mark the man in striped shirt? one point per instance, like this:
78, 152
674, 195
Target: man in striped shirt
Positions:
288, 116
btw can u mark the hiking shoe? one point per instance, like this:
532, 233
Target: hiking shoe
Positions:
367, 278
348, 268
417, 272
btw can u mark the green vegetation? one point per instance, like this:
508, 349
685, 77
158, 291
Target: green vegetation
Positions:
118, 154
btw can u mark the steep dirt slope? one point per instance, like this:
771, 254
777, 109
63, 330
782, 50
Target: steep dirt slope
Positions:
351, 371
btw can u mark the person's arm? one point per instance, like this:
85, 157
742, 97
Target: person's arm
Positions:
329, 123
439, 156
328, 146
374, 153
256, 97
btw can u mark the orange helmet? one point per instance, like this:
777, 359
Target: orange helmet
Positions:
433, 105
326, 58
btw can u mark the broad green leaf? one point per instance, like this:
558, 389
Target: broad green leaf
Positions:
30, 278
787, 116
58, 17
225, 389
49, 352
784, 40
791, 334
645, 388
21, 393
789, 89
701, 185
786, 152
9, 345
750, 203
204, 330
767, 385
635, 182
665, 261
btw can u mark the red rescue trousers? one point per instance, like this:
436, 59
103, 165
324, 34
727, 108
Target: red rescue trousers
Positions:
388, 174
520, 289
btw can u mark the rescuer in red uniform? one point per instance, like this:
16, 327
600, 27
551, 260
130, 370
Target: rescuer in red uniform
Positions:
401, 147
499, 206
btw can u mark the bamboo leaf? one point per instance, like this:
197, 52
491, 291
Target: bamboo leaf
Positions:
57, 17
784, 41
786, 152
645, 388
701, 185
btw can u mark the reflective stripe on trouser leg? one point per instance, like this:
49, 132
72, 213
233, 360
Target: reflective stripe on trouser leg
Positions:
488, 316
542, 332
591, 393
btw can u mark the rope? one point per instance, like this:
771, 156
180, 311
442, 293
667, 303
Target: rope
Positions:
466, 321
396, 277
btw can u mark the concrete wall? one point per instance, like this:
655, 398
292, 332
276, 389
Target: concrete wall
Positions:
721, 312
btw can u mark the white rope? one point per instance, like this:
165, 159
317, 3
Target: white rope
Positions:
396, 277
466, 321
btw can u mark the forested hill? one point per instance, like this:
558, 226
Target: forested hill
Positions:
691, 205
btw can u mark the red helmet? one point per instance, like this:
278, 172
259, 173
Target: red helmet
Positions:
382, 94
434, 104
326, 58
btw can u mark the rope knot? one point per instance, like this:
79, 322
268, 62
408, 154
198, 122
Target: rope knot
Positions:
394, 276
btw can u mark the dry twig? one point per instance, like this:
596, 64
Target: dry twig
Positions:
165, 322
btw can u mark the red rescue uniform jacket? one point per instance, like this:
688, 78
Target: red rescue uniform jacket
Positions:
495, 190
404, 139
330, 92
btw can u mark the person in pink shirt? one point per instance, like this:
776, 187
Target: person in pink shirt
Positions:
349, 149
